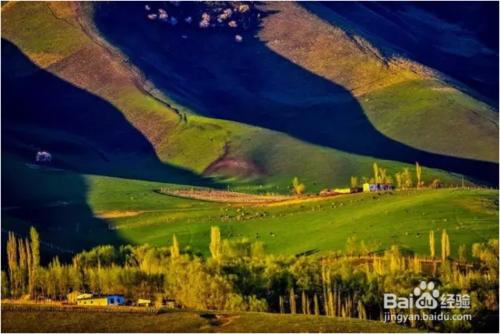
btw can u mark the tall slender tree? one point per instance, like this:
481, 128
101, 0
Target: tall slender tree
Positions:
23, 265
376, 173
445, 246
35, 258
29, 257
174, 249
316, 304
418, 170
215, 242
399, 180
303, 302
12, 261
406, 179
293, 305
432, 243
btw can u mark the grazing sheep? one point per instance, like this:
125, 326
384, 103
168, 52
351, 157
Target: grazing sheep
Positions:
162, 14
205, 20
243, 8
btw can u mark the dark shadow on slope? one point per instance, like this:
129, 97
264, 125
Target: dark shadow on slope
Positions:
460, 40
55, 202
85, 134
207, 71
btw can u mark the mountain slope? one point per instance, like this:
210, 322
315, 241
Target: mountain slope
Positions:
337, 86
112, 94
66, 47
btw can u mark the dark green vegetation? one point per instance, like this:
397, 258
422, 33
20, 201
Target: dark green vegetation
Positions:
38, 320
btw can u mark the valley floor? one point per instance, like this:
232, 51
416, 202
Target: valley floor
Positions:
36, 319
118, 211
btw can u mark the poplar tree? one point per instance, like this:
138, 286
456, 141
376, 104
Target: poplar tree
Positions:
382, 176
316, 305
432, 244
304, 302
293, 305
376, 172
35, 260
174, 250
5, 285
29, 258
23, 265
399, 180
418, 170
12, 262
406, 179
445, 245
215, 242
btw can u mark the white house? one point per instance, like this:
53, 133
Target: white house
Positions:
43, 156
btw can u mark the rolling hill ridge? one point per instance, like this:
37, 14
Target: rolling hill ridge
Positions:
128, 105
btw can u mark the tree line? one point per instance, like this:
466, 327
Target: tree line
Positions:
404, 179
240, 276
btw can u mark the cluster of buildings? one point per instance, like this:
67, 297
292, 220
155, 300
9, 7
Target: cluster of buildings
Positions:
89, 299
367, 187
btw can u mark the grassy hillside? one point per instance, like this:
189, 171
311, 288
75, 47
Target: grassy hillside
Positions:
183, 321
65, 40
422, 106
316, 103
381, 220
79, 211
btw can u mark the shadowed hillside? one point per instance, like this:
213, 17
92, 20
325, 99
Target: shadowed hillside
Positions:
460, 42
60, 37
247, 82
84, 132
85, 135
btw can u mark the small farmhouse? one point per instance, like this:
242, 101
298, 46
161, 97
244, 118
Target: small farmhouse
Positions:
91, 300
144, 302
369, 187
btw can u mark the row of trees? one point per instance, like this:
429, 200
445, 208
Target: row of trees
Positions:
240, 276
23, 258
402, 180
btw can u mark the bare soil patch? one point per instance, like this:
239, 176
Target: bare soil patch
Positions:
224, 196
